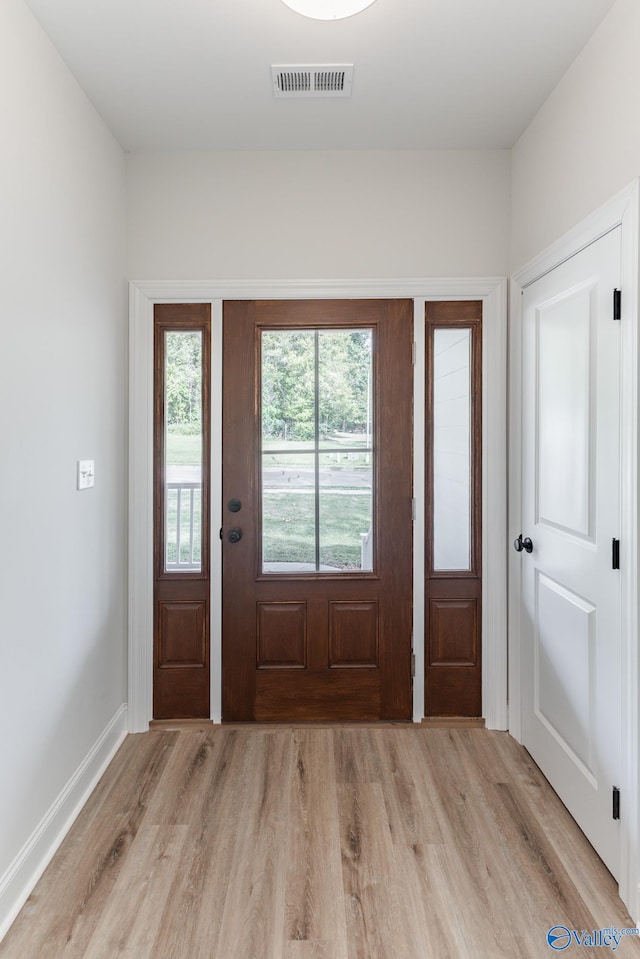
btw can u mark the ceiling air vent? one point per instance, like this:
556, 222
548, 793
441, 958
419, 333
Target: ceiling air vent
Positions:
312, 80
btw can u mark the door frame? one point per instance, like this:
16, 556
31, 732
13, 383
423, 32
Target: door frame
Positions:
142, 298
623, 211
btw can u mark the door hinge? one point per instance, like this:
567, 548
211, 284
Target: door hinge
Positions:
615, 554
413, 664
413, 353
413, 509
616, 803
617, 304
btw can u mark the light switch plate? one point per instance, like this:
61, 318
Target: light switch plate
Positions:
85, 474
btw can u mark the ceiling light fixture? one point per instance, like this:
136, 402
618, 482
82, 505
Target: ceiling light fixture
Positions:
328, 9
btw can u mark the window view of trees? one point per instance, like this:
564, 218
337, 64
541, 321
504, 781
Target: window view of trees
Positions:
183, 382
183, 451
317, 467
317, 449
288, 383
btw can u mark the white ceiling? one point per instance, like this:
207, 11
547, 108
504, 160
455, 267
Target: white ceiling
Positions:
429, 74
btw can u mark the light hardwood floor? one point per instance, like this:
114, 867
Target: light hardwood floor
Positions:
319, 843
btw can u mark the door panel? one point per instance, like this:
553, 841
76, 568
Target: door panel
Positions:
571, 509
181, 511
453, 561
281, 635
182, 635
353, 634
565, 449
454, 632
317, 591
564, 646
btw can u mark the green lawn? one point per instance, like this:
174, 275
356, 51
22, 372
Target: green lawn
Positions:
289, 528
332, 458
183, 450
186, 450
289, 516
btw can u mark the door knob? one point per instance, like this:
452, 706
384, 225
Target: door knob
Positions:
234, 535
520, 544
234, 505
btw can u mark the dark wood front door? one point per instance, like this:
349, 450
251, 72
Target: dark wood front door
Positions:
317, 519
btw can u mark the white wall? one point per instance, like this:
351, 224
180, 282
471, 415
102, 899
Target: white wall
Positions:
318, 215
62, 397
584, 144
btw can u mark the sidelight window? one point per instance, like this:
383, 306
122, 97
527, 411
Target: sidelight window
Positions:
183, 445
452, 449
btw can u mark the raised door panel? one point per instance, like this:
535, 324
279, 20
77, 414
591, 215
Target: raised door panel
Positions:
353, 635
282, 635
453, 632
182, 634
564, 678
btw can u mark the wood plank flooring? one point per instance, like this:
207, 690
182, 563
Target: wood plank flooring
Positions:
319, 843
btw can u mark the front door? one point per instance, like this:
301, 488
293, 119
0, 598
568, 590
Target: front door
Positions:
317, 510
571, 679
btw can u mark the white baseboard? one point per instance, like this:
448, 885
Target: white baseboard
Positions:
19, 879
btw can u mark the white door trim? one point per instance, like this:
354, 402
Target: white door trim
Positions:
143, 296
622, 210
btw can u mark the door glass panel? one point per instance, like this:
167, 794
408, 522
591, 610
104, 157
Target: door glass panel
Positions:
452, 449
183, 450
346, 481
344, 389
317, 451
288, 389
288, 512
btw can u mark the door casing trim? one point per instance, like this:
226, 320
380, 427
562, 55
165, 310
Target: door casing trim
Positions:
142, 297
622, 210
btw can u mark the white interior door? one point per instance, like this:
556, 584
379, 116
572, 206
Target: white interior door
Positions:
571, 681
